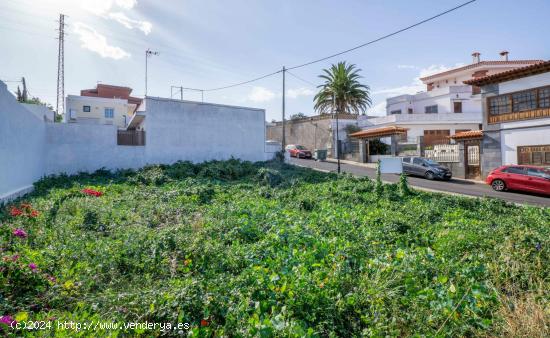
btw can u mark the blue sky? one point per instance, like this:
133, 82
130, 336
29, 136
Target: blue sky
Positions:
207, 43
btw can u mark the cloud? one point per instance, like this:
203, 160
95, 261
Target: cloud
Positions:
295, 93
96, 42
261, 94
378, 109
144, 26
104, 8
406, 67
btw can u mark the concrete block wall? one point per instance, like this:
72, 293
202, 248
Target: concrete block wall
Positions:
31, 148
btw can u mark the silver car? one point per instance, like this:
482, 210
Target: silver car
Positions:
430, 169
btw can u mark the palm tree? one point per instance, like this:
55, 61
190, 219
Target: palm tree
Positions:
342, 92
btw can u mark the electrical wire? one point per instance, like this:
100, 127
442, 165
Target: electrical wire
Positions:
301, 79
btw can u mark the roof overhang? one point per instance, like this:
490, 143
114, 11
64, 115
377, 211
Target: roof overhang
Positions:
379, 132
136, 121
539, 68
468, 135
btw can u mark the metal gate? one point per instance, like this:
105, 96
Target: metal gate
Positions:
472, 159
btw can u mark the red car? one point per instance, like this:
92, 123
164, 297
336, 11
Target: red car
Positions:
298, 151
520, 177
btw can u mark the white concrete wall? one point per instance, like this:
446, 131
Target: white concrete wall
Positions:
176, 130
511, 139
194, 131
22, 136
539, 80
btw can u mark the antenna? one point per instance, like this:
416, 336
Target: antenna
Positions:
60, 107
148, 53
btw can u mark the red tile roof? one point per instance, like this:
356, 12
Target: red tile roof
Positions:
379, 132
472, 134
538, 68
479, 64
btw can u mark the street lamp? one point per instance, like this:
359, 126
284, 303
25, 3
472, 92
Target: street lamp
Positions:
148, 53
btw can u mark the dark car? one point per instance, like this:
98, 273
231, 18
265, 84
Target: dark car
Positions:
520, 177
298, 151
430, 169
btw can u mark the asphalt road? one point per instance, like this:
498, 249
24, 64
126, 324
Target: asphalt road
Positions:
455, 186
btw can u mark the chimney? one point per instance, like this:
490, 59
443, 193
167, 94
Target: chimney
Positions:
475, 57
504, 55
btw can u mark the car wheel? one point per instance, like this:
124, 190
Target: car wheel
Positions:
498, 185
429, 175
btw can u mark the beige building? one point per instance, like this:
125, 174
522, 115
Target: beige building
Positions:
105, 104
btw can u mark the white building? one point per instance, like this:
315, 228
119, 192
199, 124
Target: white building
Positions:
447, 106
516, 117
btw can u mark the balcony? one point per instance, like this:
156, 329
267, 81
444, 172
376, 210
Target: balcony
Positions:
520, 116
422, 119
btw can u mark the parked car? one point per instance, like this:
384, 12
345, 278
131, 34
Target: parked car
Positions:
430, 169
520, 177
298, 151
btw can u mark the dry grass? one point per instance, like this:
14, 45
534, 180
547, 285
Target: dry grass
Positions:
524, 317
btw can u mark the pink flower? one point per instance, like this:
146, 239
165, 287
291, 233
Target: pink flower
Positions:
33, 266
19, 233
8, 320
14, 258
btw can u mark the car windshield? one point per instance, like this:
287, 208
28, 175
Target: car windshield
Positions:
300, 147
431, 162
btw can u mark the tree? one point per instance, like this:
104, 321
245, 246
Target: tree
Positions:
22, 96
297, 116
342, 92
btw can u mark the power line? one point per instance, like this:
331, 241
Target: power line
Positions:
383, 37
348, 50
301, 79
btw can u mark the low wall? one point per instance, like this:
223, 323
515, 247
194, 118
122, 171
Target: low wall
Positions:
31, 148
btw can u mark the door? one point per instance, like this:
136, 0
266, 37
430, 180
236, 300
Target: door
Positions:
407, 168
538, 180
417, 167
472, 161
515, 178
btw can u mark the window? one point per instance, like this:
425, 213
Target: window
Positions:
406, 160
499, 105
86, 109
457, 106
538, 173
544, 97
430, 109
395, 112
109, 113
514, 170
410, 111
418, 161
525, 100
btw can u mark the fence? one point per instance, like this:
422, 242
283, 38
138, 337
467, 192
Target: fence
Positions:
131, 138
444, 153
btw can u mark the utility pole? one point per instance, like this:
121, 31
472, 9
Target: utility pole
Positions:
60, 105
148, 53
337, 138
181, 92
283, 141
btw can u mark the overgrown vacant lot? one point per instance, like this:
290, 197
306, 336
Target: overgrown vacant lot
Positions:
241, 249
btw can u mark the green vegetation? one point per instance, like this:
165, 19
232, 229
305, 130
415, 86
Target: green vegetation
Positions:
242, 249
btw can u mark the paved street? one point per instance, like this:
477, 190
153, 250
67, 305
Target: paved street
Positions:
456, 186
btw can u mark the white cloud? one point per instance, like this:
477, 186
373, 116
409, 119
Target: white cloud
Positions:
407, 67
295, 93
261, 94
105, 9
96, 42
378, 109
144, 26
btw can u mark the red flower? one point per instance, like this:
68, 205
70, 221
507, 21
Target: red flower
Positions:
15, 212
92, 192
204, 322
34, 213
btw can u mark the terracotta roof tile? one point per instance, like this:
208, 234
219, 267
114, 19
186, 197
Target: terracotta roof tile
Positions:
468, 135
538, 68
379, 132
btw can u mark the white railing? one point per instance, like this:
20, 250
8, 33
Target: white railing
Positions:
415, 118
444, 153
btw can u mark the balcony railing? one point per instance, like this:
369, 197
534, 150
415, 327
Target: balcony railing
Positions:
423, 118
520, 116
